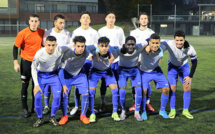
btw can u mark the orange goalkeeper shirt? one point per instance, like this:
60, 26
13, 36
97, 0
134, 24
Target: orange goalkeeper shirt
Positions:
29, 42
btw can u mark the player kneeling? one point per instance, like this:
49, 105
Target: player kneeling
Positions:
101, 68
45, 73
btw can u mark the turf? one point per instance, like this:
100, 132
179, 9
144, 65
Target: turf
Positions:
202, 102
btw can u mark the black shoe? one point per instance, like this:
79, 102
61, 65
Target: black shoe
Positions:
33, 110
53, 121
26, 113
38, 123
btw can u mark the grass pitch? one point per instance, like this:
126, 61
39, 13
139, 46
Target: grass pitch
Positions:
202, 101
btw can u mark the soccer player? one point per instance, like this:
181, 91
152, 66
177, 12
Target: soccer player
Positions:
151, 71
91, 36
102, 69
141, 34
128, 68
179, 51
63, 38
45, 73
117, 38
73, 73
29, 40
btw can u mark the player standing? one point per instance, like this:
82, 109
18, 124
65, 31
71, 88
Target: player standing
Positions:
128, 69
91, 36
63, 38
102, 69
151, 71
29, 40
72, 73
141, 34
179, 51
45, 73
117, 38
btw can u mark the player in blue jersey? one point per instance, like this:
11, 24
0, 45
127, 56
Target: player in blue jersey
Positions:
179, 51
63, 38
45, 73
117, 38
91, 36
72, 73
141, 34
128, 69
151, 71
101, 68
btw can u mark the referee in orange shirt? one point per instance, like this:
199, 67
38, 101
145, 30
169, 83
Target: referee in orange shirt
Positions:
29, 40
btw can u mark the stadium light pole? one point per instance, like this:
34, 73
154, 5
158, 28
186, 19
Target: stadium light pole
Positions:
150, 15
199, 17
175, 19
138, 12
9, 18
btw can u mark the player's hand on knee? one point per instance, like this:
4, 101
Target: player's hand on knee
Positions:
187, 80
65, 90
37, 89
16, 67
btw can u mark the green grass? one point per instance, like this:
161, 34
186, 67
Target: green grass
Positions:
203, 98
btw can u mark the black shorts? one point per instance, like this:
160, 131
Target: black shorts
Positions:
25, 70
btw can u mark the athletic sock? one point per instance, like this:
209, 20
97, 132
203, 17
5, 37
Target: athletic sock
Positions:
115, 99
122, 93
187, 96
24, 93
91, 100
38, 105
172, 100
164, 100
84, 104
138, 98
77, 97
144, 103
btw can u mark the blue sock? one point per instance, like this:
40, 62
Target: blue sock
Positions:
115, 99
38, 104
55, 104
122, 93
77, 97
138, 98
149, 92
172, 100
84, 104
91, 100
144, 103
187, 97
164, 100
64, 103
47, 94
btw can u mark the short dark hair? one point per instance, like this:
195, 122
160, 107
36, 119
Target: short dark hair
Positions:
79, 39
143, 13
130, 38
51, 38
110, 12
34, 15
179, 33
85, 12
58, 16
103, 40
155, 36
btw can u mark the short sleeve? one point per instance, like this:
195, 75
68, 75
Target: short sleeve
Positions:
19, 40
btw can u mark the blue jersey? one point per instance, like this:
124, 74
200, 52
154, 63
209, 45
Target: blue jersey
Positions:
73, 63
